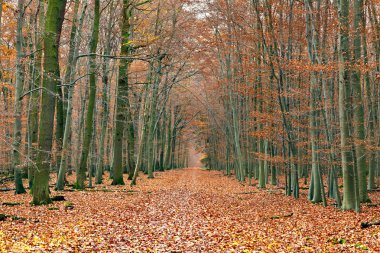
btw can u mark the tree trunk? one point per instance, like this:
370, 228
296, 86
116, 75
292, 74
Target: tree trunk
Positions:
349, 184
315, 189
75, 41
105, 100
81, 176
122, 96
153, 117
358, 112
142, 119
18, 103
35, 96
51, 81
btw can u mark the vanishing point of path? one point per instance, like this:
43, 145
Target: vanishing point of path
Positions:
190, 210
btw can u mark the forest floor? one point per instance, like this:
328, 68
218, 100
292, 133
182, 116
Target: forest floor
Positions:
190, 210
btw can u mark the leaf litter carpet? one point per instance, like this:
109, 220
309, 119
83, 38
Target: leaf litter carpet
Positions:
189, 210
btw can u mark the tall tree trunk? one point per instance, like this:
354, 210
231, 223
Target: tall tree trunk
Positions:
35, 96
358, 112
105, 100
18, 103
81, 176
153, 116
51, 81
75, 41
349, 184
122, 96
373, 17
371, 106
315, 188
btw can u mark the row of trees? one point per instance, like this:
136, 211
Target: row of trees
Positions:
271, 87
295, 90
96, 87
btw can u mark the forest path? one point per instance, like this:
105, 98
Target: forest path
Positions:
189, 210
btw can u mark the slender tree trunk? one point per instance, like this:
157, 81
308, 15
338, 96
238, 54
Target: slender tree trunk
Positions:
168, 140
153, 117
73, 53
371, 106
358, 112
349, 184
142, 119
81, 176
35, 96
105, 100
18, 103
315, 190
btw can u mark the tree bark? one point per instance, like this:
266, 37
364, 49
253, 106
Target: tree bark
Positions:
349, 184
81, 176
51, 81
17, 136
73, 52
358, 112
105, 100
122, 96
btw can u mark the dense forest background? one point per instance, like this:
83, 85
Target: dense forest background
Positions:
262, 89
